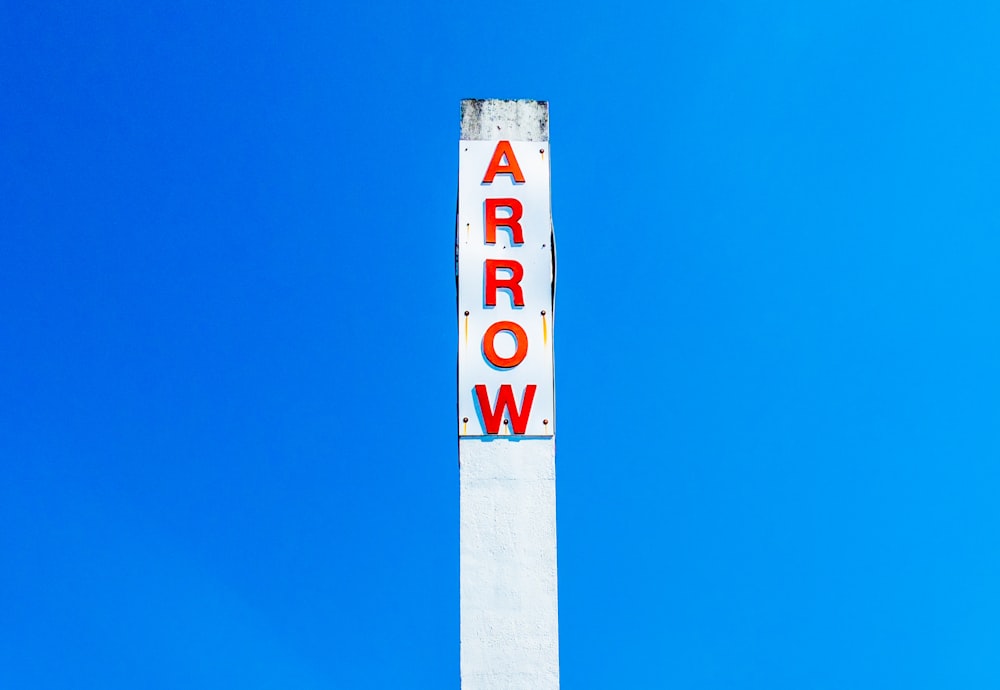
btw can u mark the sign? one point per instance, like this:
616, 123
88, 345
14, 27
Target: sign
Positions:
505, 261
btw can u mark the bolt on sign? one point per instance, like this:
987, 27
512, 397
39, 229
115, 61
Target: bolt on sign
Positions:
505, 261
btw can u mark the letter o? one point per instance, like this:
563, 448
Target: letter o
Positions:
520, 338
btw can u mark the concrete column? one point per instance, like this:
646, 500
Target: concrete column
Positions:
509, 593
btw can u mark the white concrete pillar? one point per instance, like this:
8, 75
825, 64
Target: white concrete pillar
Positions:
509, 594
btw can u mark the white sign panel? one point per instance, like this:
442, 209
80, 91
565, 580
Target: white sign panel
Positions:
505, 263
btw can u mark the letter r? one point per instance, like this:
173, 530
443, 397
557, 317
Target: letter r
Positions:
512, 284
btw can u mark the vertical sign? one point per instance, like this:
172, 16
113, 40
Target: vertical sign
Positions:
506, 285
505, 264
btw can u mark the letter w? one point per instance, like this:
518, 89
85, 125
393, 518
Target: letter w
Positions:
505, 399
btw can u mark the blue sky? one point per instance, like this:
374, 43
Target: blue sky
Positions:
227, 340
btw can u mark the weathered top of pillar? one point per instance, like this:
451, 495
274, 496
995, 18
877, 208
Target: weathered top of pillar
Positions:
491, 119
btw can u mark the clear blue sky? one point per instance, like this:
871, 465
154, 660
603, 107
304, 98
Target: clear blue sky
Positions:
227, 340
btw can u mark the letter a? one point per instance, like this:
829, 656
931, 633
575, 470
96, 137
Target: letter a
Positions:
503, 152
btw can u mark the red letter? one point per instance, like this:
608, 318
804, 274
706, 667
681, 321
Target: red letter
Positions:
493, 283
520, 340
510, 222
503, 151
505, 398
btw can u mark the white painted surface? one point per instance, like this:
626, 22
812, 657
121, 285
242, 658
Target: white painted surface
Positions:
509, 588
492, 119
535, 255
509, 594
